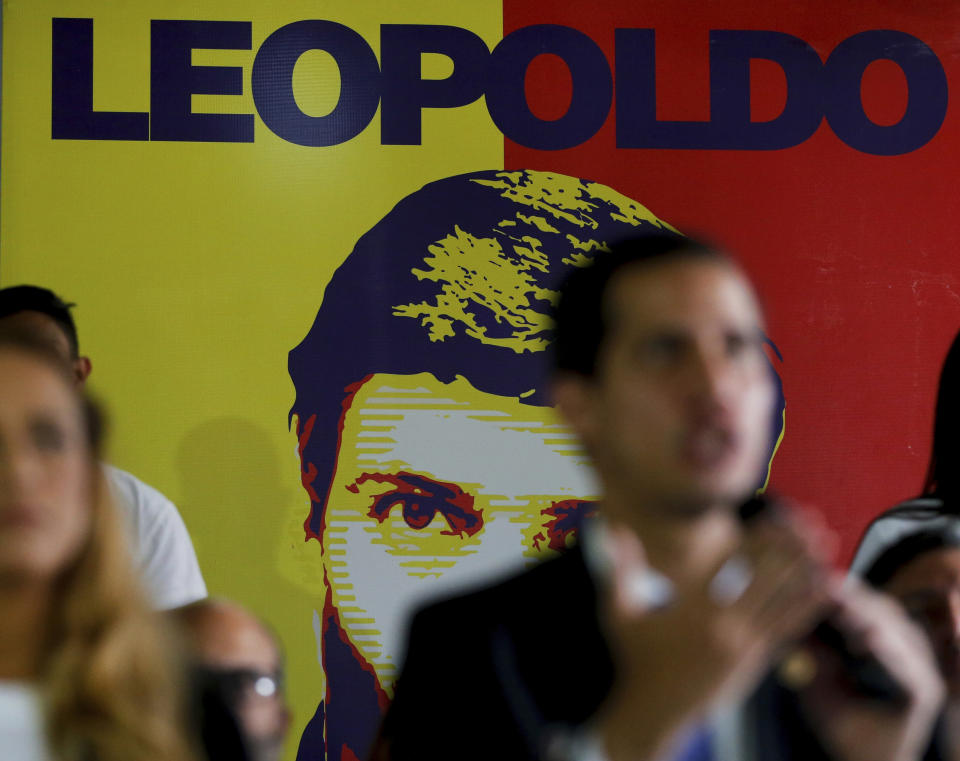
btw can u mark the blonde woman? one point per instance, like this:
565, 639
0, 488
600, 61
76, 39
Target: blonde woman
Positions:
86, 673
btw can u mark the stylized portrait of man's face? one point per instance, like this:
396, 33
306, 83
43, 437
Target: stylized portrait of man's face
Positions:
429, 449
437, 485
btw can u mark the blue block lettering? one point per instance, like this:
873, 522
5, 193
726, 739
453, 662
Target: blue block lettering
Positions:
272, 83
506, 96
173, 79
72, 115
730, 127
926, 84
730, 55
405, 94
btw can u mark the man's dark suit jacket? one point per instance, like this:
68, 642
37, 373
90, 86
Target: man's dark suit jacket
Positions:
488, 674
499, 673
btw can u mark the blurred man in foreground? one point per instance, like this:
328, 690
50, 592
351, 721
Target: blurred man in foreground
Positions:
240, 660
161, 545
674, 607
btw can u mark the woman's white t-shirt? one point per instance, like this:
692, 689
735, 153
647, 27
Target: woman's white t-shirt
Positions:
22, 736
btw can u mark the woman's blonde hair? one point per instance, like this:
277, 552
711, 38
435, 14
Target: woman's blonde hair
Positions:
111, 678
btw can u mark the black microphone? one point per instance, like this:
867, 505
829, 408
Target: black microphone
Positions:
867, 676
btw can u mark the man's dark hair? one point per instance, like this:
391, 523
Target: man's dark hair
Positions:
908, 549
32, 298
582, 319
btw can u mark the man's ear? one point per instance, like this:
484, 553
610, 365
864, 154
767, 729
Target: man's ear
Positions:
574, 400
81, 369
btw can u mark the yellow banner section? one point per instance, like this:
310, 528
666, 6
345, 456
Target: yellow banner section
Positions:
196, 267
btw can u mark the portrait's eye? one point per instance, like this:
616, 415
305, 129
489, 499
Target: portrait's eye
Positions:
417, 513
566, 517
419, 499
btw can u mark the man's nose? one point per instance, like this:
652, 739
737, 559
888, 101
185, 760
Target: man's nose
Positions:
710, 374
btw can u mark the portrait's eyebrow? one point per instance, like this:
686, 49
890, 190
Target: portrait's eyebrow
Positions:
420, 499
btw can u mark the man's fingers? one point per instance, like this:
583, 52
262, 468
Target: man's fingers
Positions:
803, 603
783, 578
774, 588
872, 623
782, 570
636, 588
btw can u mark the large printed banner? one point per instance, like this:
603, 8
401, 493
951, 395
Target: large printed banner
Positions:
314, 246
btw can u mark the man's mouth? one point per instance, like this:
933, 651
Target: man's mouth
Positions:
708, 445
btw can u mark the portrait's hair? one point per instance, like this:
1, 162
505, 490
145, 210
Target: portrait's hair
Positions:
582, 317
32, 298
458, 280
908, 549
110, 677
943, 473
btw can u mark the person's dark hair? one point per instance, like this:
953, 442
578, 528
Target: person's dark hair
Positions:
943, 474
582, 319
32, 298
908, 549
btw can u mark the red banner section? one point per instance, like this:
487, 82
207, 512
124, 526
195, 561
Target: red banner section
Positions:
811, 141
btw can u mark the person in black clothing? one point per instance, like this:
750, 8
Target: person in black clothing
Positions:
636, 643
